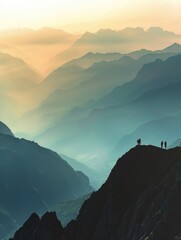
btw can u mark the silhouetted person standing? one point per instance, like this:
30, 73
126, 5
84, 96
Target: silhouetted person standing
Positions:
165, 144
161, 144
139, 141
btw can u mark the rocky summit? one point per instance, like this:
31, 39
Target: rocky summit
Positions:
48, 227
140, 200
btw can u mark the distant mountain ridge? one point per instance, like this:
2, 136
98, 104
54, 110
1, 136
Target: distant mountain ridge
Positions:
118, 41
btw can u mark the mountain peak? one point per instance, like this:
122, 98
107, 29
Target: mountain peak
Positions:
175, 47
48, 227
142, 190
4, 129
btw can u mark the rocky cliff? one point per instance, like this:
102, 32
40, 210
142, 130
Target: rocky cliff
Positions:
48, 227
141, 200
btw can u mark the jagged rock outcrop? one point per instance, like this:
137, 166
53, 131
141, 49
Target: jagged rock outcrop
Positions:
141, 200
46, 228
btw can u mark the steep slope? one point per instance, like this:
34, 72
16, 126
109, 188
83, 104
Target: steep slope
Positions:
152, 75
4, 129
17, 78
15, 74
91, 58
48, 227
69, 210
140, 200
175, 47
95, 178
176, 143
33, 178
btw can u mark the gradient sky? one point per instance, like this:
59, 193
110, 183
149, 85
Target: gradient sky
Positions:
90, 15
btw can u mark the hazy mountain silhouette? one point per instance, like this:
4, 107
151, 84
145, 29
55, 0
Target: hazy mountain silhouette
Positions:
124, 41
176, 143
90, 58
33, 178
153, 94
4, 129
78, 84
95, 178
82, 86
36, 47
16, 75
16, 79
174, 48
26, 36
69, 210
119, 96
9, 107
139, 200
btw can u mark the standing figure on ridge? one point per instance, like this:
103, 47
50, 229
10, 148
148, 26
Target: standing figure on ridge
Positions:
161, 144
139, 141
165, 144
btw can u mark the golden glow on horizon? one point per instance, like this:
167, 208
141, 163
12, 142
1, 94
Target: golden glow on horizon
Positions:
82, 15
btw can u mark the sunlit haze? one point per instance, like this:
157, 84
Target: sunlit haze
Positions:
90, 15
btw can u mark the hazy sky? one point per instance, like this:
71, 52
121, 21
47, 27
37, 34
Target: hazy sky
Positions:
82, 15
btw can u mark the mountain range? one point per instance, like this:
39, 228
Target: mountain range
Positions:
90, 97
17, 78
151, 95
33, 178
36, 47
140, 200
123, 41
72, 86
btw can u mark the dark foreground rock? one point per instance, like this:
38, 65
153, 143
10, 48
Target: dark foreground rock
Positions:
46, 228
141, 200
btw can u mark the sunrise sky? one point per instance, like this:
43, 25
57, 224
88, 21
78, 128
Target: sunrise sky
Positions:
90, 15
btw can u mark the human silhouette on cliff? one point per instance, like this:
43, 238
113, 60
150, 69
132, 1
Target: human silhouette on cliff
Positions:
161, 144
139, 141
165, 144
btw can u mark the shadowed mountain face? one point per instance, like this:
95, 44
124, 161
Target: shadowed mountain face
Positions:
94, 176
33, 178
46, 228
69, 210
140, 200
4, 129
